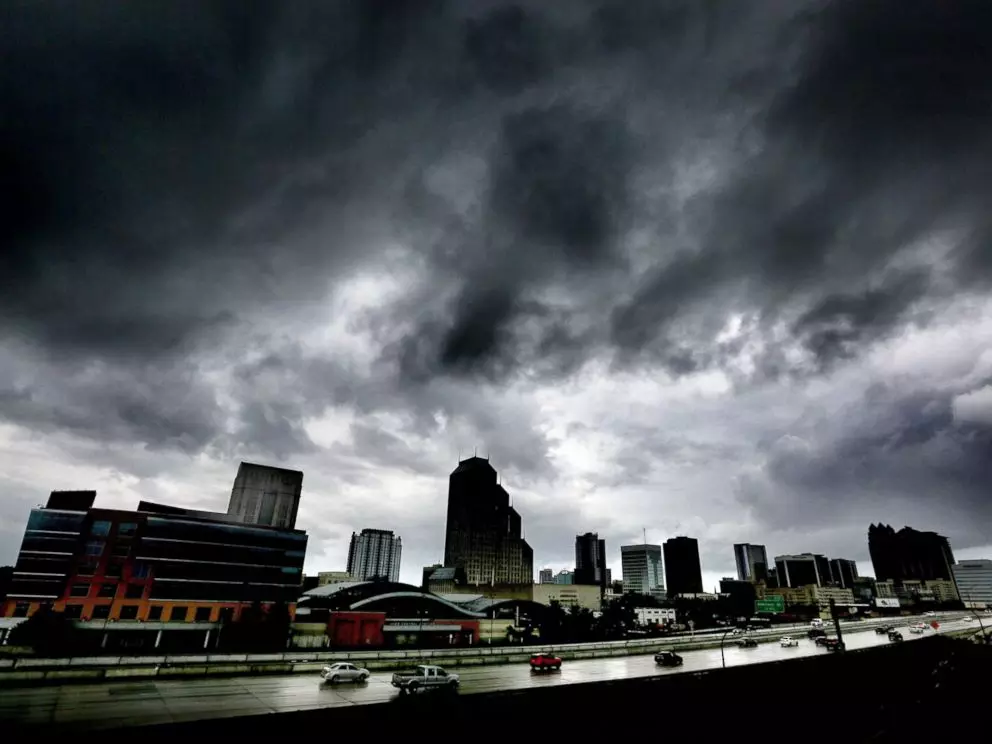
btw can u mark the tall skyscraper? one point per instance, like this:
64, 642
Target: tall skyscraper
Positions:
546, 576
682, 569
643, 572
483, 535
590, 560
375, 554
752, 562
843, 572
909, 554
804, 569
266, 495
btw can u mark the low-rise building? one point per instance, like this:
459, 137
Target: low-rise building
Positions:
325, 578
655, 615
568, 595
821, 596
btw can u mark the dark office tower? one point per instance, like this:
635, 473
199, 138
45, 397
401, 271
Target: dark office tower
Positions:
909, 554
805, 569
844, 572
752, 562
682, 571
483, 536
590, 560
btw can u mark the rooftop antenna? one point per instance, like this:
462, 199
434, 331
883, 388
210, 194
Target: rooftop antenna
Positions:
475, 452
645, 535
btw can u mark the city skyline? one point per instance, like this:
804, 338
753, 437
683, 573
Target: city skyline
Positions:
706, 269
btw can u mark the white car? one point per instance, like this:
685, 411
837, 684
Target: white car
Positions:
787, 641
343, 672
918, 628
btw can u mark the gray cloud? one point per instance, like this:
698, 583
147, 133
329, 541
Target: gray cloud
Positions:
559, 191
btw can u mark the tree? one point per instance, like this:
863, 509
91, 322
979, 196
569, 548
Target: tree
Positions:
48, 632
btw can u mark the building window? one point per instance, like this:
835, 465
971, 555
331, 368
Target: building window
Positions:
203, 614
120, 550
226, 614
129, 612
155, 613
79, 590
101, 612
74, 611
86, 569
20, 609
126, 528
100, 528
94, 548
107, 590
140, 570
113, 570
135, 591
178, 614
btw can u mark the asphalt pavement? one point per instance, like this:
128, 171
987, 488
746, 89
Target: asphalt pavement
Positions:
112, 705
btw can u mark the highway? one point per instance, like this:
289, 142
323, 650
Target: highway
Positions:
112, 705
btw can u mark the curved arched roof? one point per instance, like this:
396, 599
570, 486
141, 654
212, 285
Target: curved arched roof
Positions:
417, 595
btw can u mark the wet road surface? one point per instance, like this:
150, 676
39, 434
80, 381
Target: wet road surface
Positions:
95, 706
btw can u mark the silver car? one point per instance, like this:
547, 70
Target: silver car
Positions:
343, 672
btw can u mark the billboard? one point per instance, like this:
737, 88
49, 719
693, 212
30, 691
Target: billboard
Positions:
887, 602
773, 603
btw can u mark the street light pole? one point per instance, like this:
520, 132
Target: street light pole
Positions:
723, 660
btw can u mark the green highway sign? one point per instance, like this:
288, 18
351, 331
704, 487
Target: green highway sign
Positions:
774, 603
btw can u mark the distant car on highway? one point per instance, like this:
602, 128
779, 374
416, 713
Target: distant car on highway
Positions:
883, 629
424, 676
668, 659
539, 662
929, 613
816, 633
343, 672
831, 644
895, 636
787, 642
747, 643
918, 628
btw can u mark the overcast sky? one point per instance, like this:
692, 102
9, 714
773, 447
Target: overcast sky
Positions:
697, 267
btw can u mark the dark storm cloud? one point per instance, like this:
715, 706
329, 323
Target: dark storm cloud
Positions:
135, 142
892, 453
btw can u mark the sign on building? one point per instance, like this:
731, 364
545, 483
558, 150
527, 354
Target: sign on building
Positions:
888, 602
774, 603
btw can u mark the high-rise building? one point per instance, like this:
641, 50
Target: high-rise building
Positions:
154, 564
546, 576
375, 555
643, 570
843, 572
804, 569
909, 554
682, 570
974, 580
590, 560
564, 577
752, 562
266, 495
483, 534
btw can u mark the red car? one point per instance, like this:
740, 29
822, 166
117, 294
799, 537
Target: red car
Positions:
544, 661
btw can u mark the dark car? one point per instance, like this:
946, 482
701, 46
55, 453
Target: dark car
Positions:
895, 635
831, 644
668, 659
539, 662
884, 629
815, 634
747, 643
